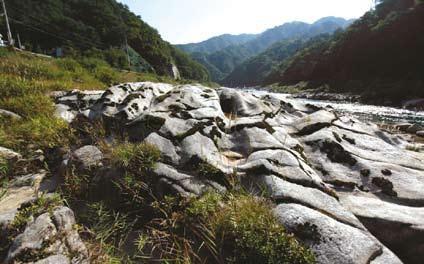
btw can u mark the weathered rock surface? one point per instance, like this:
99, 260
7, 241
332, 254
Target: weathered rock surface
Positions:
47, 238
9, 154
9, 114
310, 160
49, 235
87, 157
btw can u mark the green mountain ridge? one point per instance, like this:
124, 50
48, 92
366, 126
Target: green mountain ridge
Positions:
216, 43
379, 56
222, 62
97, 28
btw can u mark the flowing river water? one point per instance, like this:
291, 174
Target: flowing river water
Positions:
378, 114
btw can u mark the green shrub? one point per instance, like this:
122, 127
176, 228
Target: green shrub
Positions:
135, 158
29, 105
106, 75
250, 233
220, 228
43, 204
42, 131
4, 168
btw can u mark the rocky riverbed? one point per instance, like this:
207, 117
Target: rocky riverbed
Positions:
351, 191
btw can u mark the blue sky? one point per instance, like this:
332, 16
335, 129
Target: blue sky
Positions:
184, 21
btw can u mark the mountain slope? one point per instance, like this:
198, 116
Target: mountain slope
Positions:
222, 62
254, 71
380, 56
85, 27
216, 43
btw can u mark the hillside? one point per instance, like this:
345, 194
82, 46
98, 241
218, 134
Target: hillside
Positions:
380, 56
97, 29
216, 43
222, 62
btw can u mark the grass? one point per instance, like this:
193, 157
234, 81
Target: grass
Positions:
230, 228
137, 226
246, 231
4, 174
26, 81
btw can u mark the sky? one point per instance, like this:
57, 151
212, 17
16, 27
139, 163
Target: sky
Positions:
186, 21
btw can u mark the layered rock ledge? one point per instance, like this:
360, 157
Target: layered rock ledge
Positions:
347, 189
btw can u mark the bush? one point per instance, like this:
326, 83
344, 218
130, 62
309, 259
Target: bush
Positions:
29, 105
42, 131
4, 168
135, 158
106, 75
248, 232
216, 228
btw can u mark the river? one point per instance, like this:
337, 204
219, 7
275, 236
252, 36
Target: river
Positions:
379, 114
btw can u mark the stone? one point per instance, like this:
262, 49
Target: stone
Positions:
307, 158
281, 190
420, 133
9, 154
87, 157
64, 112
180, 182
329, 240
414, 128
36, 234
314, 122
9, 114
241, 104
51, 235
55, 259
167, 148
406, 224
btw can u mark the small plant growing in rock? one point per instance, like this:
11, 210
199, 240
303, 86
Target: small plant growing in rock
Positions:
41, 205
208, 171
248, 232
137, 161
135, 158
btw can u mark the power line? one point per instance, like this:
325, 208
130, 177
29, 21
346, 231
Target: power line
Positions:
87, 43
41, 22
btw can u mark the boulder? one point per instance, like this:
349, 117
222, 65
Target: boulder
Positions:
414, 128
87, 157
167, 148
33, 239
9, 154
310, 160
406, 224
9, 114
330, 240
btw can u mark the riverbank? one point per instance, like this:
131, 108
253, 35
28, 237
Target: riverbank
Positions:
153, 163
308, 90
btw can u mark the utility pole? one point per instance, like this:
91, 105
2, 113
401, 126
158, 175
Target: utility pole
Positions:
19, 42
9, 33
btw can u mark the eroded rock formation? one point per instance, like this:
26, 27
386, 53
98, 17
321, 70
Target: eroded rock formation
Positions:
347, 189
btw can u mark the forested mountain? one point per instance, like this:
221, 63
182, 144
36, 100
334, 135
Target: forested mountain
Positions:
222, 62
380, 56
217, 43
97, 28
256, 70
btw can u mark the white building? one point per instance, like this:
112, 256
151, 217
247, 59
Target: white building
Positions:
1, 41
